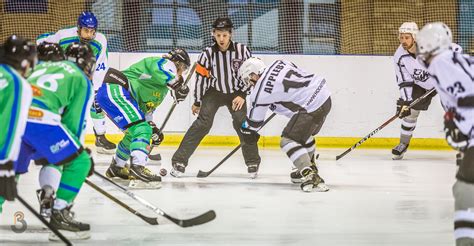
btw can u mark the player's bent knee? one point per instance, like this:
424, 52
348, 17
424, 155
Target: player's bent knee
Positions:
141, 130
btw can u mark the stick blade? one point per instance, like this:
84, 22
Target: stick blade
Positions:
202, 174
198, 220
149, 220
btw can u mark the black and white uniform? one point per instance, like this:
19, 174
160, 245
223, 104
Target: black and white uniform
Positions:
304, 97
413, 81
453, 74
217, 84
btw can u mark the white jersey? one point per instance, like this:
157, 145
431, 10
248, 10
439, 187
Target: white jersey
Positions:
454, 81
410, 72
287, 90
65, 37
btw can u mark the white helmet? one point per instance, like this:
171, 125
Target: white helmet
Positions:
409, 27
251, 65
433, 39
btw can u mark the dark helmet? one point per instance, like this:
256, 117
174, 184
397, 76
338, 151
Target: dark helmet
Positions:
83, 56
18, 52
50, 52
87, 19
180, 56
223, 23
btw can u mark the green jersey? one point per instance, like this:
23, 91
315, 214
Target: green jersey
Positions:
15, 99
62, 89
148, 80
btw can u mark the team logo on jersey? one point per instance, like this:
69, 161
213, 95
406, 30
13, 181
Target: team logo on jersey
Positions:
236, 64
36, 91
55, 148
420, 75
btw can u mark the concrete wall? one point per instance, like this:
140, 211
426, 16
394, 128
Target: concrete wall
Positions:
363, 88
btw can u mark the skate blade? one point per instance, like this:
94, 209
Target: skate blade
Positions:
71, 235
138, 184
102, 150
253, 175
321, 187
307, 188
175, 173
296, 181
397, 157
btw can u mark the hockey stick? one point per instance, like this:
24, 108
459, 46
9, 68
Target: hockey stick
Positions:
149, 220
382, 126
54, 230
157, 157
198, 220
202, 174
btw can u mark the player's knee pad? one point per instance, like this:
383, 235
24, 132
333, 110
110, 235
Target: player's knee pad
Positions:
80, 165
463, 198
413, 115
140, 136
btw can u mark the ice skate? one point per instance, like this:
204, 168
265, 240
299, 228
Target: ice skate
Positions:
46, 199
399, 151
295, 175
103, 145
252, 171
63, 220
312, 181
142, 177
115, 171
178, 170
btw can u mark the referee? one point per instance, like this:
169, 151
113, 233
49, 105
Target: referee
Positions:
217, 85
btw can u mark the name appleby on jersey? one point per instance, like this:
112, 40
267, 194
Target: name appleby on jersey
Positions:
271, 78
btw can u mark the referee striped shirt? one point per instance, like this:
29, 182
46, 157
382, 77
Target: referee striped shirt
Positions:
219, 70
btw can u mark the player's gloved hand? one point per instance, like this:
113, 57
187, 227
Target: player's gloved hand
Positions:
7, 181
157, 136
403, 109
91, 170
96, 105
455, 138
177, 83
180, 93
249, 135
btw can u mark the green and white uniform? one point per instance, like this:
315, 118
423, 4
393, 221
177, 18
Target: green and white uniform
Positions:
15, 99
67, 36
147, 87
62, 97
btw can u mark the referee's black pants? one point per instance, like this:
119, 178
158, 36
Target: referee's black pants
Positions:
211, 102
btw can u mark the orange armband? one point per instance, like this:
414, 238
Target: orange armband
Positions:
202, 70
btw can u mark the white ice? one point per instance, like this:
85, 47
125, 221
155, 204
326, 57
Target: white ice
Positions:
373, 201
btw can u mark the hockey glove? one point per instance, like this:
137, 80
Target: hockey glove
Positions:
248, 135
180, 94
7, 181
157, 136
91, 170
403, 109
177, 83
455, 138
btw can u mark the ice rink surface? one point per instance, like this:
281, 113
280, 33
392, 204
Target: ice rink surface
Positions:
373, 201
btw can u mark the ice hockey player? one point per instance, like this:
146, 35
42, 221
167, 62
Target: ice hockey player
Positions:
129, 98
86, 32
16, 62
218, 85
413, 81
62, 96
303, 97
454, 81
